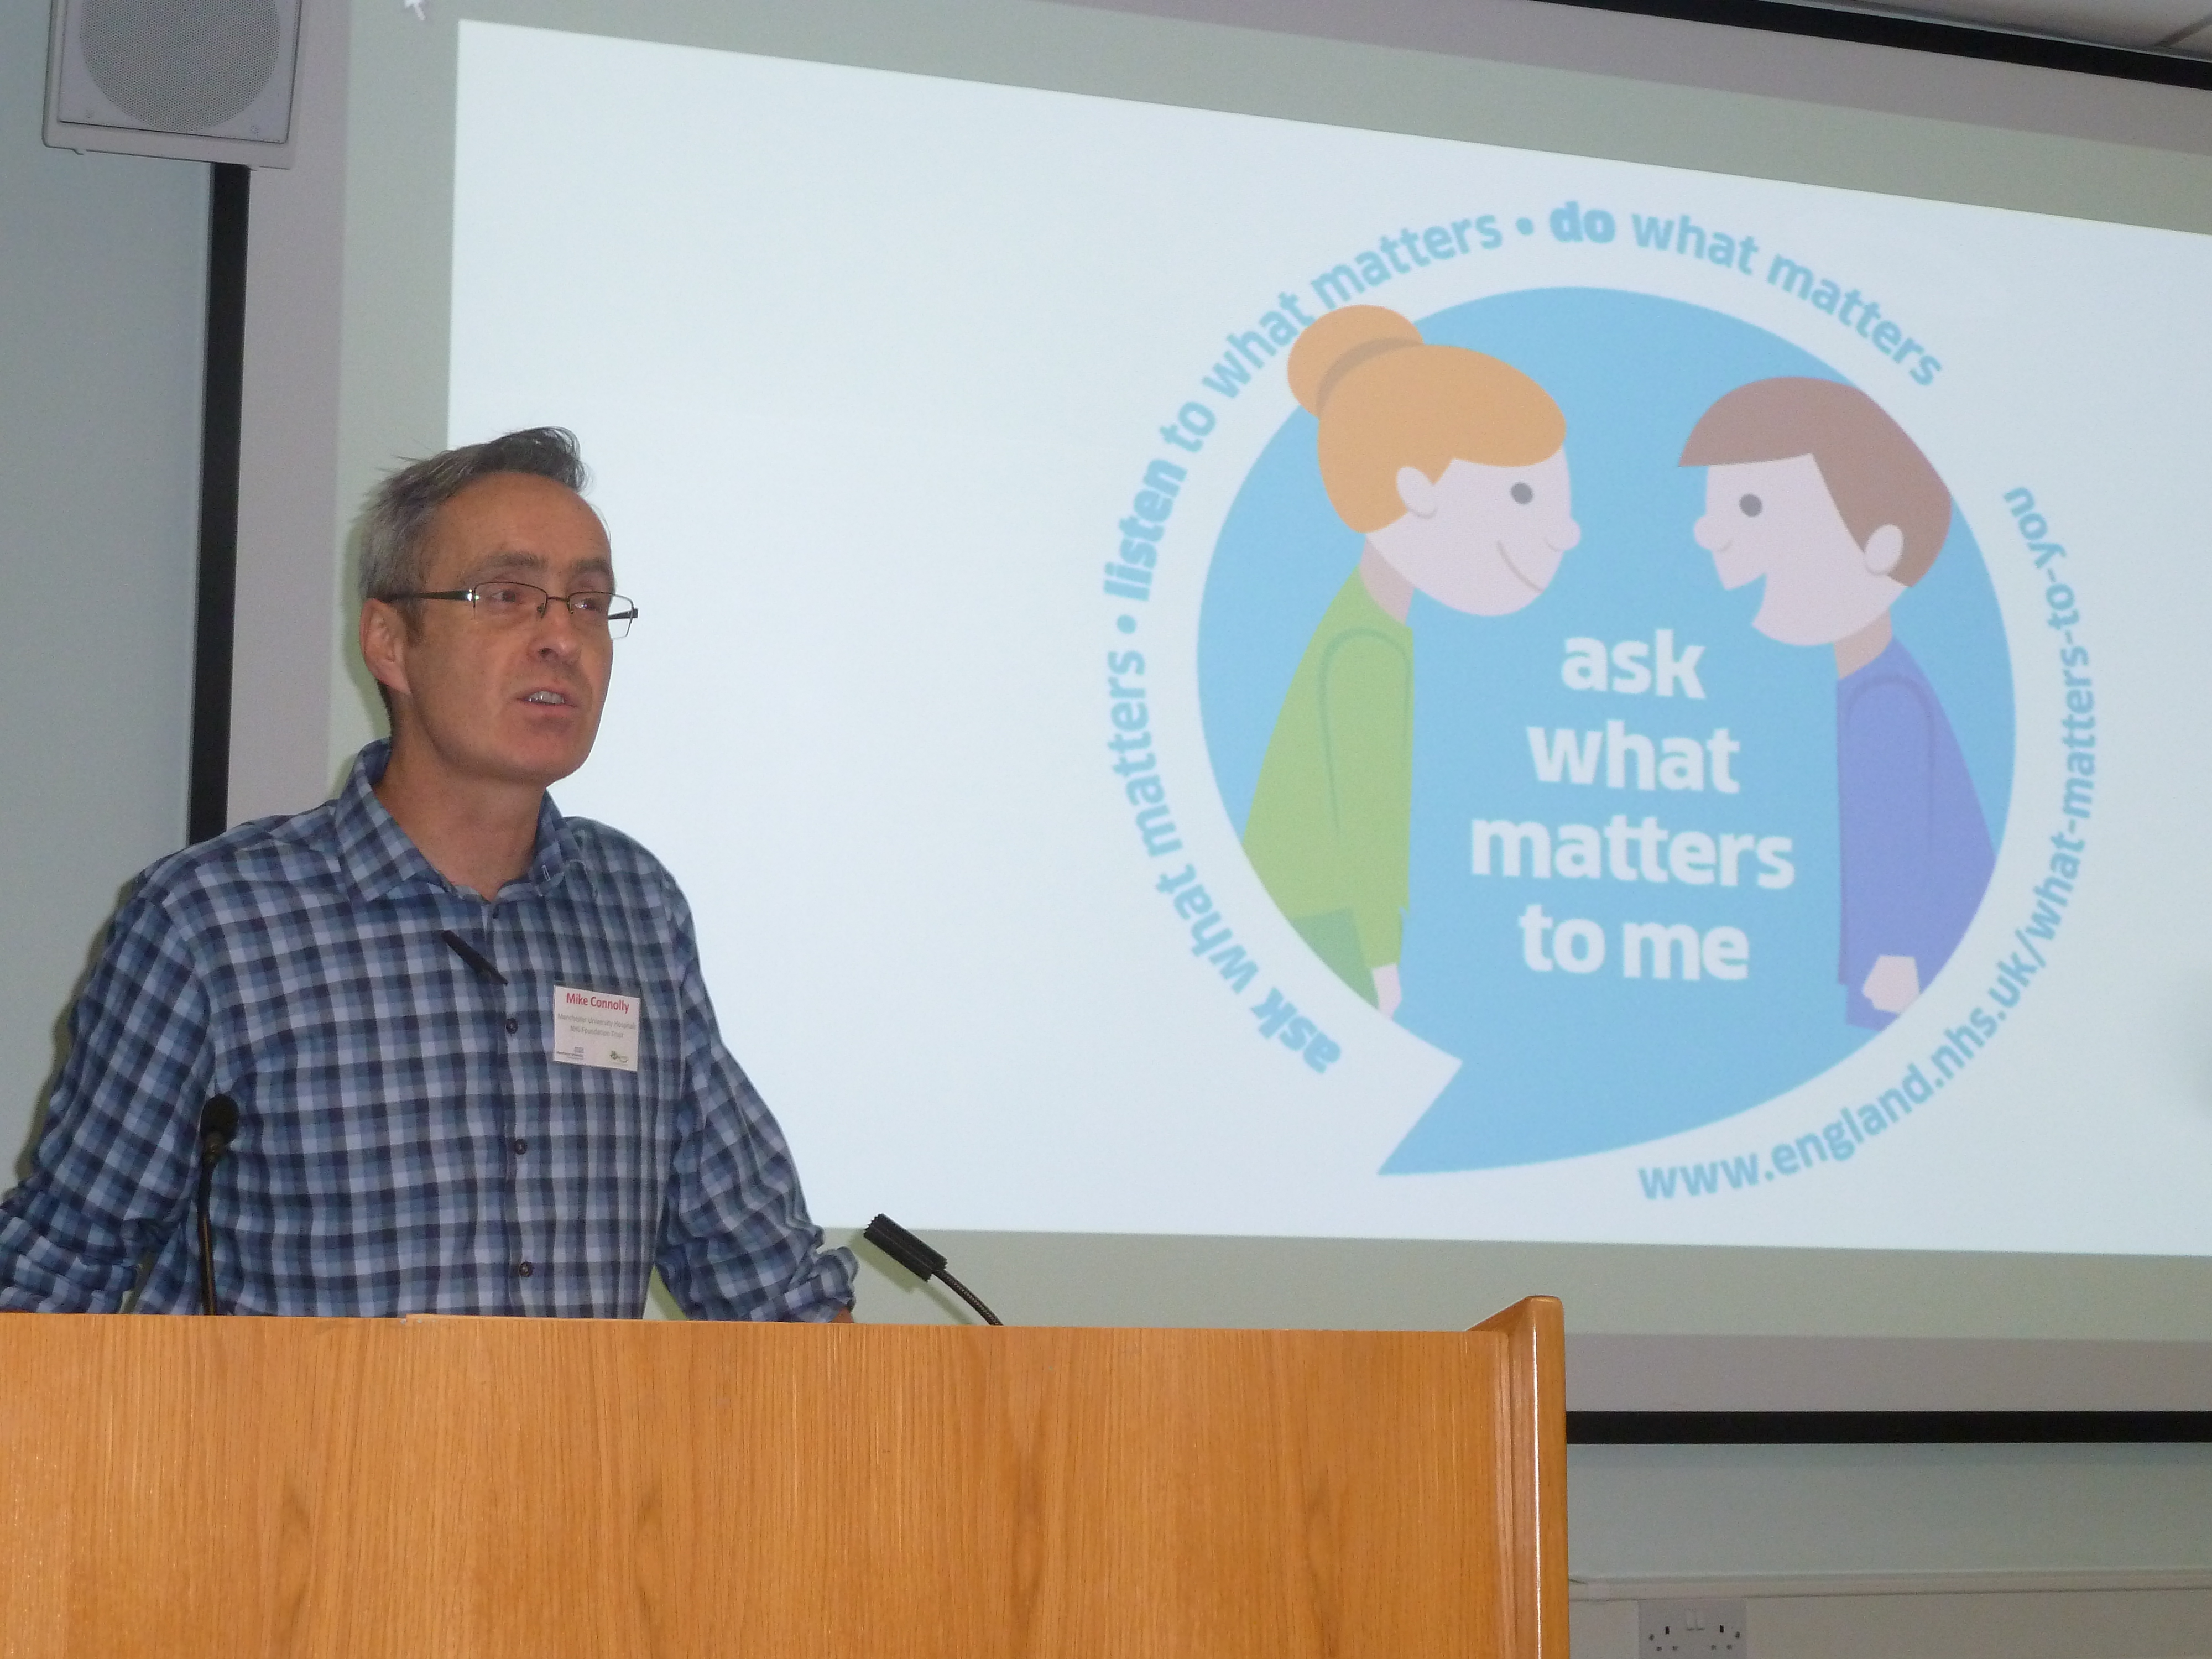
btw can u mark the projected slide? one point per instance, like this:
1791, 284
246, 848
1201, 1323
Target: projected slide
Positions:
1210, 674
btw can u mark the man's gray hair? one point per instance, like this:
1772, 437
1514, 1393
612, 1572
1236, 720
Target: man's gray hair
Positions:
397, 520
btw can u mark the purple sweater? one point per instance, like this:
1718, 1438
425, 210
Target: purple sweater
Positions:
1915, 847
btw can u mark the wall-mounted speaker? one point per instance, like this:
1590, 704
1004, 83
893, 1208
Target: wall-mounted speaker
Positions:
195, 80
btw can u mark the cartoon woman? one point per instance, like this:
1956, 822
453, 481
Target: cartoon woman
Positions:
1451, 464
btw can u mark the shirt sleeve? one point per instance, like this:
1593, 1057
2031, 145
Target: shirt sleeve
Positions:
112, 1174
736, 1242
1367, 727
1886, 755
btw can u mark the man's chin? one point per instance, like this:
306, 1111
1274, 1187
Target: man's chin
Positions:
544, 766
1789, 630
564, 766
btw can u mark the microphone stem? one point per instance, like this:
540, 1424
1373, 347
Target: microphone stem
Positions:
207, 1239
968, 1297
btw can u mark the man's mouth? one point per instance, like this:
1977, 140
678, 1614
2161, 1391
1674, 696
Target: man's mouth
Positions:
553, 697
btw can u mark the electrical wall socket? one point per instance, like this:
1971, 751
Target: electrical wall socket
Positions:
1691, 1630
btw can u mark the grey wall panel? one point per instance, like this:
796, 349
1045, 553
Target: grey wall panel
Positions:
103, 264
288, 507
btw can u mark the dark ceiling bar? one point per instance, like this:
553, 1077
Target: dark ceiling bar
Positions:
1884, 1428
1917, 34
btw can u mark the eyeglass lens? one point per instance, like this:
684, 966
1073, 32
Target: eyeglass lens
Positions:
508, 602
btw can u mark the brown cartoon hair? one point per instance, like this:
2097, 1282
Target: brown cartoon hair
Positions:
1386, 399
1874, 473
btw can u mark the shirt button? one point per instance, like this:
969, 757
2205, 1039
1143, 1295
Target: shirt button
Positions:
520, 1145
525, 1270
514, 1026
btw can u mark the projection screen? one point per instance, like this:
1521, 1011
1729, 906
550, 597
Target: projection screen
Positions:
1301, 682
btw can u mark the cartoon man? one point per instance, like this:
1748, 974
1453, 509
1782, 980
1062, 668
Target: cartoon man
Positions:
1811, 486
1450, 463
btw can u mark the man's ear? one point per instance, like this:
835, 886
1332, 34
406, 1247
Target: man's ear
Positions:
384, 644
1418, 491
1884, 549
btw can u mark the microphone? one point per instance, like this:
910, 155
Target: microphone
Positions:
218, 1128
918, 1259
468, 953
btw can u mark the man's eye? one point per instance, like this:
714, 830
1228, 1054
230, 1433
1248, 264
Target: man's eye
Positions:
498, 593
1523, 495
589, 605
1751, 506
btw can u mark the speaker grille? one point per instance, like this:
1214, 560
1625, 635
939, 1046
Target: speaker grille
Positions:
181, 65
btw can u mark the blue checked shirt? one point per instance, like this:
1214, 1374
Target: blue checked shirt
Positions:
406, 1142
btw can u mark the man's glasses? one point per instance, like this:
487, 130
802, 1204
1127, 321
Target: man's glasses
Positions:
503, 604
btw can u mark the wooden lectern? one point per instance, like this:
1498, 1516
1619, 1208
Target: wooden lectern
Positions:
428, 1487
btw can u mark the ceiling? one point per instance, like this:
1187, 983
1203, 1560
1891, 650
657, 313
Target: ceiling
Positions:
2183, 27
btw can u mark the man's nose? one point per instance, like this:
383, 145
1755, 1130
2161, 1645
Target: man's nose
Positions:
558, 633
1708, 535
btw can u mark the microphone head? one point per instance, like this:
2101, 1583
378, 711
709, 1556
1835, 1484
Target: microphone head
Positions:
903, 1247
218, 1128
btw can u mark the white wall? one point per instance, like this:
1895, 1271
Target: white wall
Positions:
1700, 1515
2013, 1622
103, 264
1960, 1552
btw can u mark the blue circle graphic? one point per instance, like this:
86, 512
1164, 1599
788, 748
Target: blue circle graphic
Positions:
1555, 1064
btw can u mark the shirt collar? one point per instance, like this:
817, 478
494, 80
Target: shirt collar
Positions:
1891, 658
378, 858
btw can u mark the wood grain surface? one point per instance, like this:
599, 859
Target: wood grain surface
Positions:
465, 1487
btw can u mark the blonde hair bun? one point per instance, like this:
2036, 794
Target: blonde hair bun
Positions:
1336, 344
1386, 399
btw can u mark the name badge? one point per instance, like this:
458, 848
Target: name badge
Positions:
595, 1028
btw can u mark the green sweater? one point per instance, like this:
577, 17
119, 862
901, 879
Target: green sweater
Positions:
1331, 817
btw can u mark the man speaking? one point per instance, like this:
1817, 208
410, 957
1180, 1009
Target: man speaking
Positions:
475, 1064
